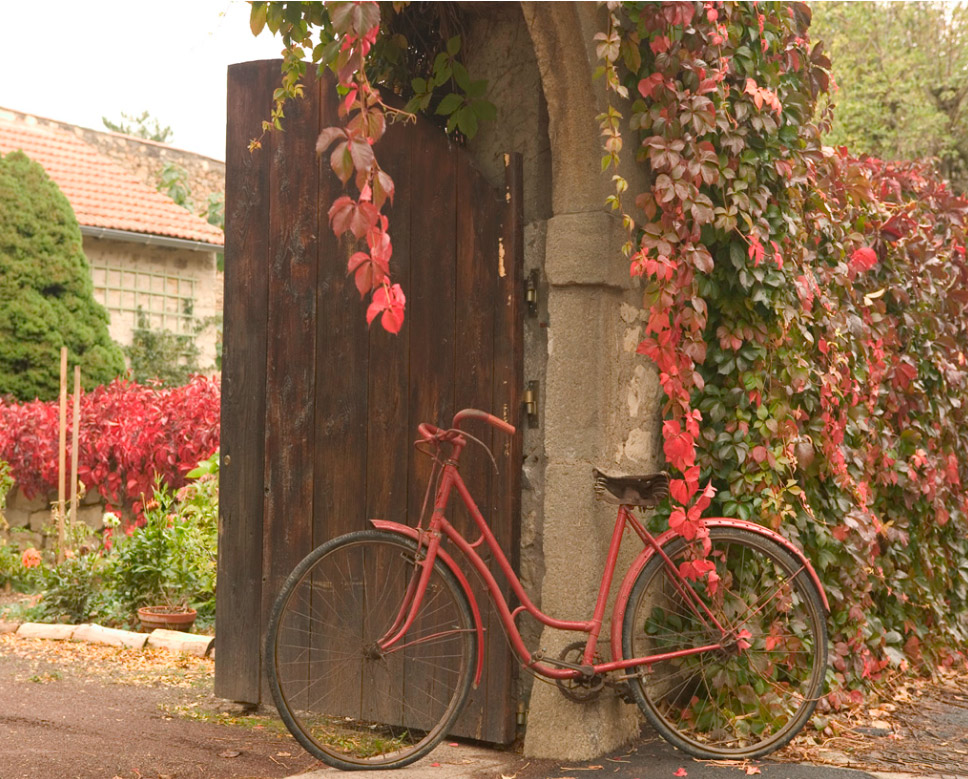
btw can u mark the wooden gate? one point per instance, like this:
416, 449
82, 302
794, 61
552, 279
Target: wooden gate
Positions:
318, 412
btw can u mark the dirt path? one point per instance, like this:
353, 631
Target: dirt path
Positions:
90, 712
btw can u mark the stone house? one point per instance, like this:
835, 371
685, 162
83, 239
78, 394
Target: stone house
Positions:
146, 252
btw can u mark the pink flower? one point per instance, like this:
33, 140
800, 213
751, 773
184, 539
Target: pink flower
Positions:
30, 558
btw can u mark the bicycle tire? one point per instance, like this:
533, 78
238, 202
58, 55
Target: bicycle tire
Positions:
729, 704
347, 703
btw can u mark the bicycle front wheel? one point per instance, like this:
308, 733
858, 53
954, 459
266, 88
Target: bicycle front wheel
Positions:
348, 702
745, 700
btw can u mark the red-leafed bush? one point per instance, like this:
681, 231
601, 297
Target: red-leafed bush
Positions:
129, 434
808, 317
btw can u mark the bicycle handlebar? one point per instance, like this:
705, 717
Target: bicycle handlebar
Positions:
429, 432
493, 421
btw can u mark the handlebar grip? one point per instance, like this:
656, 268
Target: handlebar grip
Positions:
493, 421
427, 431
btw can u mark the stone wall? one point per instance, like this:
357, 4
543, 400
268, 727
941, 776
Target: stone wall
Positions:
198, 266
27, 518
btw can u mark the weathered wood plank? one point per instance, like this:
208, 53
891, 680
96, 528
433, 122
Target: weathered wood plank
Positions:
476, 286
507, 390
342, 364
431, 313
239, 599
389, 432
290, 448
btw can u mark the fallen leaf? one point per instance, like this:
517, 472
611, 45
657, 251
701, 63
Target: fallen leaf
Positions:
752, 769
681, 772
229, 753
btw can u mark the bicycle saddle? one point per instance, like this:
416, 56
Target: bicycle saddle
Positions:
645, 491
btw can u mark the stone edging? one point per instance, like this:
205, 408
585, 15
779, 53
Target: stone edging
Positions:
172, 640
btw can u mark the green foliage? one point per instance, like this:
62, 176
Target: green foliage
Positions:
173, 181
807, 315
160, 355
414, 53
14, 575
143, 126
46, 298
6, 484
902, 73
215, 211
74, 589
170, 559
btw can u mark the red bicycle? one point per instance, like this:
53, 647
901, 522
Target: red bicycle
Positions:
376, 636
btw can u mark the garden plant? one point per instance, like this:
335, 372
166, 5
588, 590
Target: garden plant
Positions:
151, 454
167, 558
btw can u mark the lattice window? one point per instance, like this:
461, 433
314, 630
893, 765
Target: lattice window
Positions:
167, 300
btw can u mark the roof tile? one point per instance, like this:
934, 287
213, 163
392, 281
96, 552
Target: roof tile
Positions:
101, 192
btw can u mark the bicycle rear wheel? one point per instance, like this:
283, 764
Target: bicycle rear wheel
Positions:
742, 701
347, 702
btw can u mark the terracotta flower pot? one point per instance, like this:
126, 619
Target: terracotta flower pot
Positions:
166, 618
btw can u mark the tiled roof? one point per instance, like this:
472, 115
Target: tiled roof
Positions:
101, 192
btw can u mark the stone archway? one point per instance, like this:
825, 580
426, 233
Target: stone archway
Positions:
598, 401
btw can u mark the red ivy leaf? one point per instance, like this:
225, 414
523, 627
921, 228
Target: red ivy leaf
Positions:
390, 302
348, 215
862, 260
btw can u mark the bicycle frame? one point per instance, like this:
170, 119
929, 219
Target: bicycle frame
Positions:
440, 528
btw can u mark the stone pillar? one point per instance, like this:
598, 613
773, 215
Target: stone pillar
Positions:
600, 399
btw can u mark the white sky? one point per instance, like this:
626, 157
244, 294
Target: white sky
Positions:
78, 60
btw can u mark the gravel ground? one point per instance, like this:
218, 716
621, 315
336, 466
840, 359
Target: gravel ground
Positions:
93, 712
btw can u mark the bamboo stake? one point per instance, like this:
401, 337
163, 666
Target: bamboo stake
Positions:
74, 441
61, 456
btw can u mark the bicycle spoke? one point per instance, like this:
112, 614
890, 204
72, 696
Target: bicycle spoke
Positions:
740, 700
346, 701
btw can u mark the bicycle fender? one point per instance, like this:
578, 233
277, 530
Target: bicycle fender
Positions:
413, 534
625, 591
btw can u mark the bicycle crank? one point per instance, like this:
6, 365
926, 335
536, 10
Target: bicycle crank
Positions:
585, 687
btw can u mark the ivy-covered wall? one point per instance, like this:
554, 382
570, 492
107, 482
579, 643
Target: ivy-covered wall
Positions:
807, 313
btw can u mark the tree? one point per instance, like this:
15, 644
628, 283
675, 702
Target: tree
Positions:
46, 296
143, 126
902, 71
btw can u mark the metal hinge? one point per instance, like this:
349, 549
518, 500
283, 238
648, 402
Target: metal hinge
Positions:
531, 292
530, 402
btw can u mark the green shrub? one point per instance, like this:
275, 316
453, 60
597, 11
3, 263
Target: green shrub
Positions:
46, 294
161, 355
170, 559
73, 589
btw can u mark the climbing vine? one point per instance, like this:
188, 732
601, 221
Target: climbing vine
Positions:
362, 45
806, 317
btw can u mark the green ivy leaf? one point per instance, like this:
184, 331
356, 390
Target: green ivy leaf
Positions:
449, 104
484, 110
257, 17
